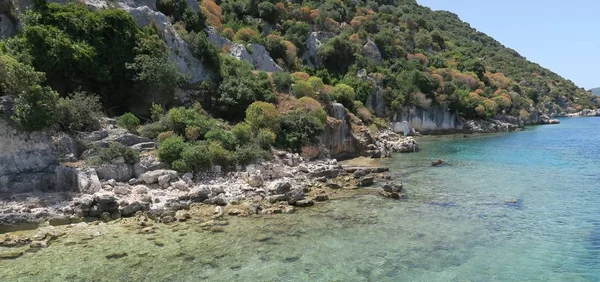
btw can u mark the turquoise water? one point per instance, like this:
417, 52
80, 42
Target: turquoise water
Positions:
521, 206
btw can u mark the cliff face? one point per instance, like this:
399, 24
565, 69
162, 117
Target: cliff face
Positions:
341, 137
28, 162
434, 120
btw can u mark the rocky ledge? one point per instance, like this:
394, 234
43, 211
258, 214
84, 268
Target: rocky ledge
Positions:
278, 186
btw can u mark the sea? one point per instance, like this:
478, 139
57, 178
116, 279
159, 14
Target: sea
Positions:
519, 206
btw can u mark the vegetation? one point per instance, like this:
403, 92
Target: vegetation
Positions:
117, 150
68, 65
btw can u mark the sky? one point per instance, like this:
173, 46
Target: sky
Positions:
559, 35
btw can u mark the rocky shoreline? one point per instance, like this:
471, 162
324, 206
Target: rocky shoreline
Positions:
275, 186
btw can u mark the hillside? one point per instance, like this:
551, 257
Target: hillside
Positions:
187, 71
595, 91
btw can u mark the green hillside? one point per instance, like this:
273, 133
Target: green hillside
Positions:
67, 55
595, 91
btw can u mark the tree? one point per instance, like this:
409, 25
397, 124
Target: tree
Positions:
344, 94
36, 108
337, 54
261, 115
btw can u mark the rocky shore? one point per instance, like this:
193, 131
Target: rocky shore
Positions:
112, 191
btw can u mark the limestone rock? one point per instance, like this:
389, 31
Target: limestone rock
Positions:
119, 172
313, 43
370, 50
366, 181
151, 177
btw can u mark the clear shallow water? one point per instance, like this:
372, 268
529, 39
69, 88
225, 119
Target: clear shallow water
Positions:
458, 224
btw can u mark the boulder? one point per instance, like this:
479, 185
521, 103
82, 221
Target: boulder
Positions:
254, 179
119, 172
371, 51
437, 163
295, 196
277, 198
366, 181
391, 187
130, 208
147, 163
151, 177
199, 194
280, 188
304, 203
105, 198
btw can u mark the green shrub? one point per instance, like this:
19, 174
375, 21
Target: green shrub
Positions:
219, 155
165, 135
117, 150
263, 115
152, 130
171, 149
316, 83
249, 153
313, 108
180, 118
128, 121
36, 108
265, 138
344, 94
225, 138
240, 88
282, 81
299, 128
156, 112
192, 133
242, 132
79, 112
181, 166
196, 157
203, 50
302, 89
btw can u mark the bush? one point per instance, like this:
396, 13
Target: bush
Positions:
302, 89
246, 35
165, 135
242, 132
316, 83
248, 154
240, 88
171, 149
156, 112
152, 130
225, 138
181, 118
192, 133
313, 108
117, 150
203, 50
128, 121
79, 112
265, 138
219, 155
262, 115
298, 129
344, 94
36, 108
282, 81
300, 76
196, 157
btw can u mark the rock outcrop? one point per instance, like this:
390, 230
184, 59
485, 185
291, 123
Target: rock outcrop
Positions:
488, 126
434, 120
258, 57
371, 51
341, 138
315, 40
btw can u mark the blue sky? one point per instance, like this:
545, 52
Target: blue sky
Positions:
559, 35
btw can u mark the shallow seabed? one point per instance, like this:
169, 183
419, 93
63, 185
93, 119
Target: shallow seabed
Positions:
521, 206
